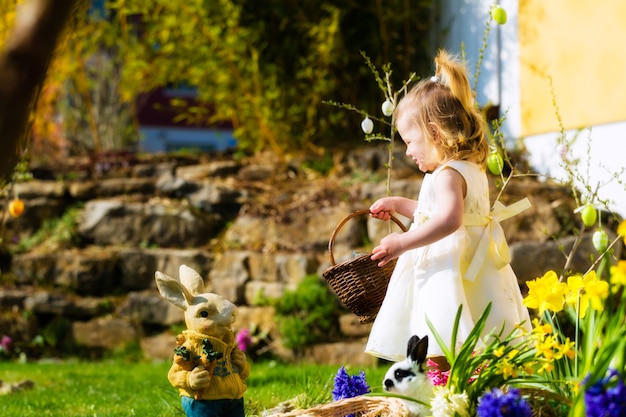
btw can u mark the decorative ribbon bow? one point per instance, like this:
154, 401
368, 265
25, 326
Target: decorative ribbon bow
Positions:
493, 231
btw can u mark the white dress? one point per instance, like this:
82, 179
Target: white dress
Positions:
469, 267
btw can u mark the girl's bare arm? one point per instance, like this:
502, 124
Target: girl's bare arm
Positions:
449, 217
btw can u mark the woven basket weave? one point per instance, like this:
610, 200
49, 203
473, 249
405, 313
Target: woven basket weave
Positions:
359, 283
362, 406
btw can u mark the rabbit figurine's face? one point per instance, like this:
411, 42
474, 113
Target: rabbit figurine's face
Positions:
205, 312
210, 314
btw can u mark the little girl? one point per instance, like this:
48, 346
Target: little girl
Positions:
454, 252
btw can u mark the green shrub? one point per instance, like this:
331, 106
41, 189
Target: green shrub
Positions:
307, 315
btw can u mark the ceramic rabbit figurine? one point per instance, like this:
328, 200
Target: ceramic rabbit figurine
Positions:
208, 369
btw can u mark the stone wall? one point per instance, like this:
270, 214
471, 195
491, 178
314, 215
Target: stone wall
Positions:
249, 227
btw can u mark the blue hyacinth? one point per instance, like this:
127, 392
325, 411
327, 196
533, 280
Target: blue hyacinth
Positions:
500, 404
347, 386
607, 397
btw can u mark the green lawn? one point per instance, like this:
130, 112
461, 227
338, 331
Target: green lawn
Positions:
99, 389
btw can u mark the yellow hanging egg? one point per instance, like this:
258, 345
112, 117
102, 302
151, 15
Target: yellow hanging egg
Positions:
16, 207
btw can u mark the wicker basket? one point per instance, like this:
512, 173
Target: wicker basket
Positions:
359, 283
361, 406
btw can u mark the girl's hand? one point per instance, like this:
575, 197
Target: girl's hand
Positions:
390, 248
383, 209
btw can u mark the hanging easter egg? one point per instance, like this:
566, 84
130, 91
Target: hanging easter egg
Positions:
387, 107
16, 207
600, 240
498, 14
367, 125
589, 215
495, 163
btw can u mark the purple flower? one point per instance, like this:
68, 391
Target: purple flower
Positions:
500, 404
607, 397
347, 386
243, 339
5, 342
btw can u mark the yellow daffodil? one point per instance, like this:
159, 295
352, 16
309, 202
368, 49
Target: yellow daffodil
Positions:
540, 328
529, 368
618, 275
507, 369
546, 293
566, 349
545, 347
499, 352
585, 291
546, 367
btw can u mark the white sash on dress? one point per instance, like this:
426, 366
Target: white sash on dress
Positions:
492, 232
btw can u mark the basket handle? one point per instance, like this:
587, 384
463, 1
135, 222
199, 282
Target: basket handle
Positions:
331, 243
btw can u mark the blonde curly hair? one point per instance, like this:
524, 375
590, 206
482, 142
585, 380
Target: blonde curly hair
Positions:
447, 101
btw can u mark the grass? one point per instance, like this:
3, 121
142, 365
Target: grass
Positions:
119, 388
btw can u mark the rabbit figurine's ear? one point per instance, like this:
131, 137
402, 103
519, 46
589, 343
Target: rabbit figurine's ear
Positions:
191, 279
173, 291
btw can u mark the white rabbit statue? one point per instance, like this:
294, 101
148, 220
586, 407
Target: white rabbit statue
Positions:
208, 369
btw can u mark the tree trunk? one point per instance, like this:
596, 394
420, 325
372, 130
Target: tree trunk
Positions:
24, 62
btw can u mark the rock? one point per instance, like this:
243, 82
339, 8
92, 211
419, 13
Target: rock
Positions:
110, 187
86, 308
150, 308
340, 353
306, 231
350, 326
229, 275
214, 196
103, 333
137, 267
88, 272
259, 317
551, 204
159, 347
164, 223
551, 255
257, 291
35, 188
44, 302
281, 267
34, 268
10, 298
292, 267
207, 170
37, 211
256, 172
174, 187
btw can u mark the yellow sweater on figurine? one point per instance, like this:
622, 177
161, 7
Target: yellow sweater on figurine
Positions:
195, 349
208, 369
